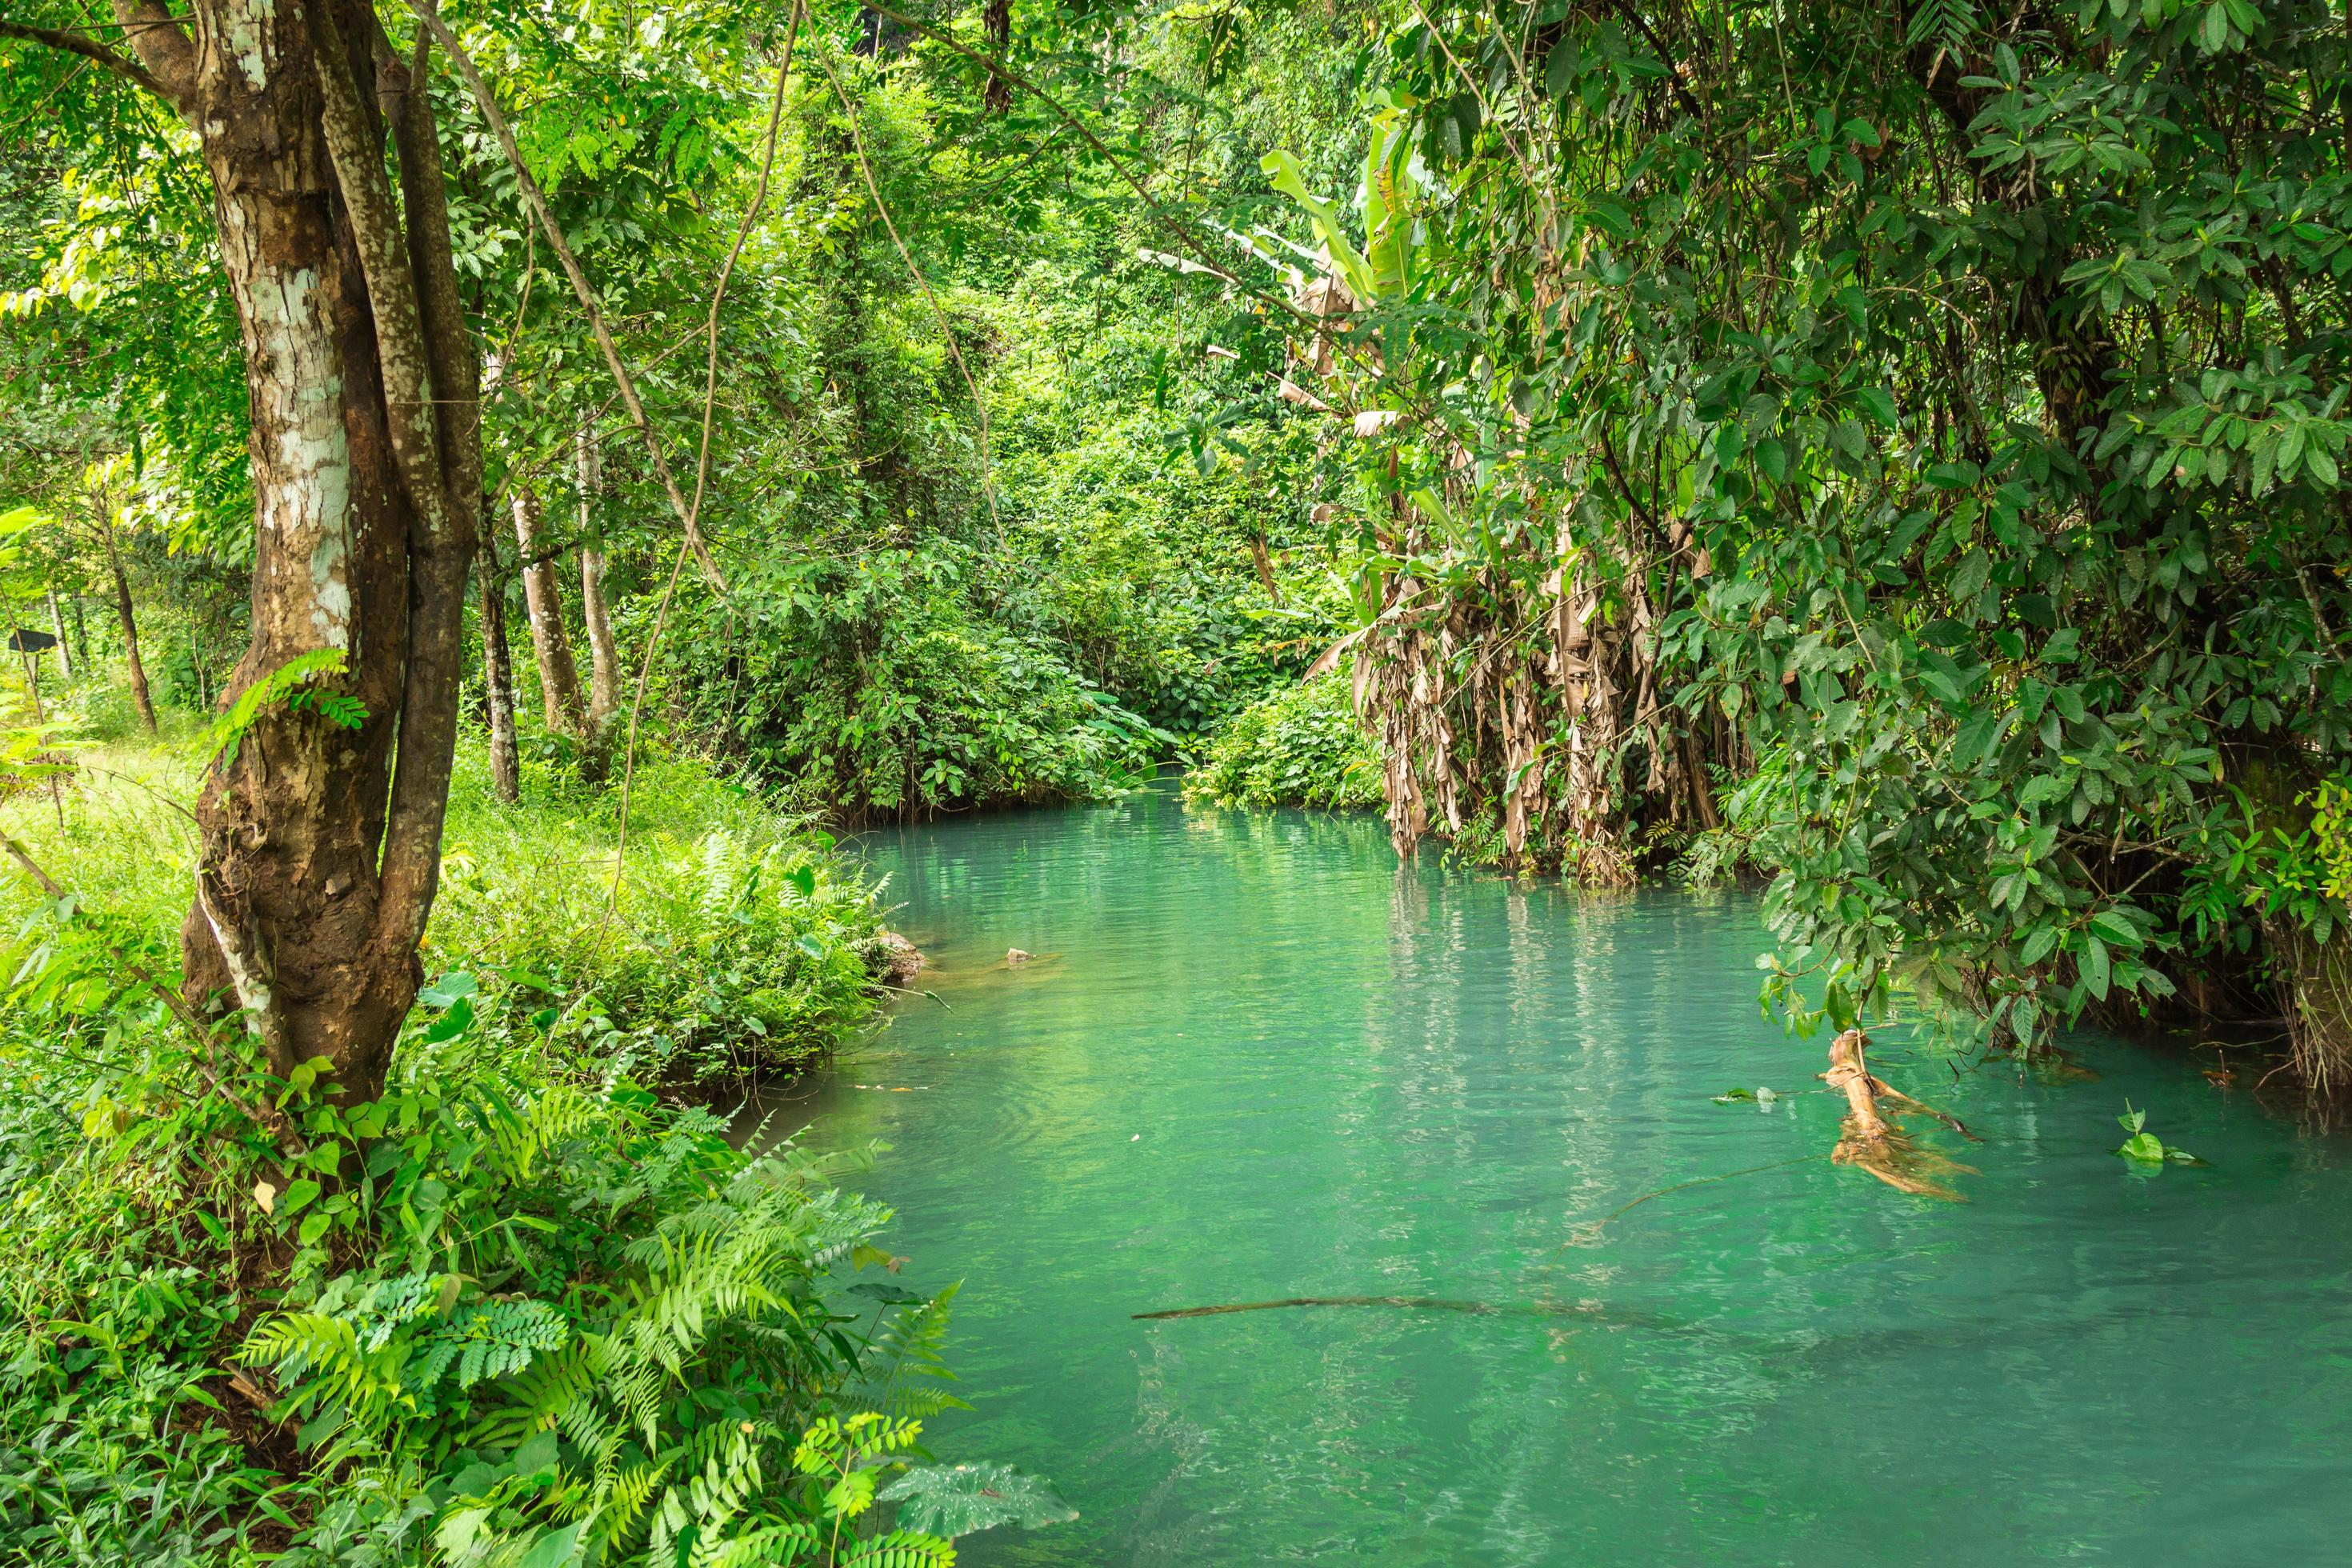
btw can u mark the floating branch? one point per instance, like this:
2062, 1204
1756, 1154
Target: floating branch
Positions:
1426, 1304
1874, 1144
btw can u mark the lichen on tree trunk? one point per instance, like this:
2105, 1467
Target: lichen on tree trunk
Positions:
319, 845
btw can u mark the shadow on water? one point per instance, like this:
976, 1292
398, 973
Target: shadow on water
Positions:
1262, 1192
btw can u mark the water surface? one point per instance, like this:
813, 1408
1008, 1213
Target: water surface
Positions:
1255, 1059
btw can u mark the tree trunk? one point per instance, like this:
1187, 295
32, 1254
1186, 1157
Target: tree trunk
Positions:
81, 634
603, 662
551, 645
319, 847
139, 695
996, 26
58, 625
498, 681
196, 662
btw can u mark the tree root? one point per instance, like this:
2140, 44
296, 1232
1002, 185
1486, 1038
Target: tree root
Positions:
1870, 1142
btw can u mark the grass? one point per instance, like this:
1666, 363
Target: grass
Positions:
737, 946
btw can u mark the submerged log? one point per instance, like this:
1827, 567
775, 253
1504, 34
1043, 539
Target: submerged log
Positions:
1591, 1311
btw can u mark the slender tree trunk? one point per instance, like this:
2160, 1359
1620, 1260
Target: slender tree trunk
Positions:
498, 681
81, 634
320, 848
196, 662
138, 694
603, 662
551, 644
996, 26
58, 625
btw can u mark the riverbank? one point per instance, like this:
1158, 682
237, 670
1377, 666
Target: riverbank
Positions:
520, 1305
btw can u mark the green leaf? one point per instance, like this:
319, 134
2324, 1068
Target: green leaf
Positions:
1559, 68
556, 1548
959, 1500
2117, 930
2095, 966
1977, 734
446, 990
2145, 1147
2213, 30
888, 1294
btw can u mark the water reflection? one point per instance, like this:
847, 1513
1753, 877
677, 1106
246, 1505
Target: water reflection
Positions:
1270, 1062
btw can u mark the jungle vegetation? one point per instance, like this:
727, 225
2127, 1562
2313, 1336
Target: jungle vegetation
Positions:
505, 487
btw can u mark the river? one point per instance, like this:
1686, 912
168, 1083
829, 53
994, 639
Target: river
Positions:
1255, 1061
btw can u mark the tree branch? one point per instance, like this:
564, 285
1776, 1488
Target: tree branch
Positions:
487, 103
428, 717
92, 49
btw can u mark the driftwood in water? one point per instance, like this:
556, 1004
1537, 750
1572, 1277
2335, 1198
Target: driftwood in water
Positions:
1874, 1143
1427, 1304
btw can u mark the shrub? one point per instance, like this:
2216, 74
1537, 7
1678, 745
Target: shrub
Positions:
739, 946
884, 689
1300, 746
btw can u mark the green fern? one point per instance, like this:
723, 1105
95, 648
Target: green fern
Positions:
290, 683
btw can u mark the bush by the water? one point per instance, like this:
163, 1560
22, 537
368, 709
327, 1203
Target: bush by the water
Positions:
1302, 745
518, 1309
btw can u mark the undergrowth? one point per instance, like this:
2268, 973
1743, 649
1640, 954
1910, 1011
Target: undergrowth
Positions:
520, 1312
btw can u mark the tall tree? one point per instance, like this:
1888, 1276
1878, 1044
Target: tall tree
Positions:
595, 610
321, 844
497, 677
543, 597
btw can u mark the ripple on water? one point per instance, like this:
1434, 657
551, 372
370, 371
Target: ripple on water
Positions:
1261, 1061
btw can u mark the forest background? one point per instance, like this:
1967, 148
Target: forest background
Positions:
1895, 451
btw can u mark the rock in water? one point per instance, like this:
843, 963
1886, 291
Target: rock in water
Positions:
893, 960
1015, 955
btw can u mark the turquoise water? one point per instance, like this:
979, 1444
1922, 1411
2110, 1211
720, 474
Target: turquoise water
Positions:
1254, 1059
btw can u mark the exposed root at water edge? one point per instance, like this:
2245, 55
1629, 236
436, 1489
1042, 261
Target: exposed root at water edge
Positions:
1870, 1142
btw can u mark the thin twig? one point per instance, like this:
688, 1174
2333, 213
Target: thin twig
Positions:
702, 467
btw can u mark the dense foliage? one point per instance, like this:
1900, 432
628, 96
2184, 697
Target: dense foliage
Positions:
1303, 745
1928, 477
